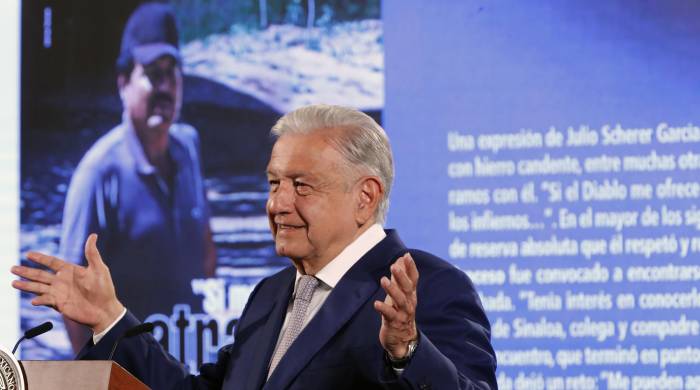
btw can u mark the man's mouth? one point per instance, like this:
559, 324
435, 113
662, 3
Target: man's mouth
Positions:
285, 227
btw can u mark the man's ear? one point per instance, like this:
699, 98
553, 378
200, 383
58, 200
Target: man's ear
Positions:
370, 194
121, 83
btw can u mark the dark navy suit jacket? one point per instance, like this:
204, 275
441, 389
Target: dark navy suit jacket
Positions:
339, 348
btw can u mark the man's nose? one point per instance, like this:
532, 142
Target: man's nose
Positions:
282, 199
162, 80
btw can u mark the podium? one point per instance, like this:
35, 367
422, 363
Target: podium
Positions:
78, 375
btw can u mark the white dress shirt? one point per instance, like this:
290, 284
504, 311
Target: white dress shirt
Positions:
97, 337
331, 274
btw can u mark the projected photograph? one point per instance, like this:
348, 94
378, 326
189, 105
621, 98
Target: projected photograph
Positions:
186, 247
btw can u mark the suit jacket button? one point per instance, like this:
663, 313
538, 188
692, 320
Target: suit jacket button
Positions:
424, 386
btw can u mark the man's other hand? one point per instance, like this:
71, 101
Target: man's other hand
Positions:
84, 294
398, 310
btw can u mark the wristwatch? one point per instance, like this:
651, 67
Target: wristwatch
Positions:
401, 363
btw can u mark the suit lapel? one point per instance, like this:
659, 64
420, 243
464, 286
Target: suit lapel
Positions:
353, 290
267, 337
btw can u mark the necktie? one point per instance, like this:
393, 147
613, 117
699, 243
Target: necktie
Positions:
305, 290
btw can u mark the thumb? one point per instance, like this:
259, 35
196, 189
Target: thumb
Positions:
91, 253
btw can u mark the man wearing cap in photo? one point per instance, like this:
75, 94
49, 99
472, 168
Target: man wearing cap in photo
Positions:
140, 186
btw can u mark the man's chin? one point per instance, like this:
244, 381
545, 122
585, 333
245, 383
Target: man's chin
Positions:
286, 249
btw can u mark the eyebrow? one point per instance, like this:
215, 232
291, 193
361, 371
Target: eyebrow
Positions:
292, 175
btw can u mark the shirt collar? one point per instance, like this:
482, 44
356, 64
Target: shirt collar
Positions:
136, 149
331, 274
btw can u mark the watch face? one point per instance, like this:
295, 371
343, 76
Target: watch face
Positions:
412, 348
11, 377
401, 363
412, 345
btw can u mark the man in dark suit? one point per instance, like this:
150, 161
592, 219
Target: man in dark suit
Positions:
347, 315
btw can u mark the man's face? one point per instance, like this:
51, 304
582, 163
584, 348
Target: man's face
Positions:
312, 201
152, 94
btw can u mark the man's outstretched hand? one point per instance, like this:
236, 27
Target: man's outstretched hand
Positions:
83, 294
398, 310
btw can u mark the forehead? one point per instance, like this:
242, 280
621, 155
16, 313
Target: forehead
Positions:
304, 154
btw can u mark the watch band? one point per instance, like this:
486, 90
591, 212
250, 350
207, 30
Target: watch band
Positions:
401, 363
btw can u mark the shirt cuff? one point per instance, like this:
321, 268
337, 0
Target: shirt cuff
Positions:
97, 337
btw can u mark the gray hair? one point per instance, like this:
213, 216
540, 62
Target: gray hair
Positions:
362, 142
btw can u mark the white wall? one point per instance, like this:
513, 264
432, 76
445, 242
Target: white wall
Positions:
9, 167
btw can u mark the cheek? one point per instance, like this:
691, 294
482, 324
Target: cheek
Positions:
309, 212
134, 99
336, 209
178, 86
143, 85
321, 218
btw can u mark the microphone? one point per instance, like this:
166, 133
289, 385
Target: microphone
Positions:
146, 327
33, 332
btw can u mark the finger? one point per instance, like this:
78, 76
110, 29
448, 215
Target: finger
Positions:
408, 289
387, 311
398, 271
94, 259
411, 268
44, 300
388, 300
30, 287
392, 289
50, 262
33, 274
